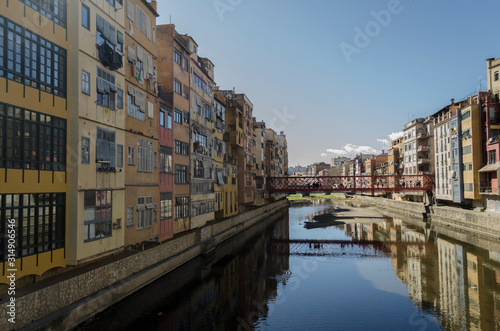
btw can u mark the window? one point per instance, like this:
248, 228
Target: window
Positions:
184, 93
119, 99
186, 116
181, 148
199, 170
39, 220
143, 22
492, 157
208, 111
177, 87
194, 49
130, 216
178, 116
136, 102
106, 89
31, 140
144, 155
496, 75
119, 41
105, 148
180, 176
181, 207
119, 155
85, 150
131, 155
29, 59
85, 17
185, 63
162, 118
165, 159
467, 150
177, 57
165, 206
200, 208
144, 212
169, 121
200, 83
111, 2
97, 211
54, 10
466, 115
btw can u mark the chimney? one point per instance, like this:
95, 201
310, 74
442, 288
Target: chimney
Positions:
153, 4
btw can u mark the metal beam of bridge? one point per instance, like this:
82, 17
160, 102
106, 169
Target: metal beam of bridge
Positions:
356, 184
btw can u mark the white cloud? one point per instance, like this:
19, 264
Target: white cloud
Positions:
396, 135
337, 151
350, 150
323, 154
383, 141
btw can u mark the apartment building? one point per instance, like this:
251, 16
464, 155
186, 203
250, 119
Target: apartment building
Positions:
456, 155
241, 139
202, 137
490, 172
230, 170
220, 102
260, 156
141, 123
96, 185
442, 154
418, 151
165, 161
174, 64
34, 117
395, 157
472, 137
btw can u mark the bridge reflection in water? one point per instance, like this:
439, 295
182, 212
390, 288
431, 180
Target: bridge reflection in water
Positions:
355, 184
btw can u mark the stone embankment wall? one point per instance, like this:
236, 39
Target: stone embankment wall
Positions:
70, 301
486, 223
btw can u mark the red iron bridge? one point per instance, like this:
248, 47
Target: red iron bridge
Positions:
354, 184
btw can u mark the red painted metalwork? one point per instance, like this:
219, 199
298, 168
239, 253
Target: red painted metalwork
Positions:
391, 183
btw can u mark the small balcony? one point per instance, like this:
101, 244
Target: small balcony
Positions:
423, 161
422, 135
423, 148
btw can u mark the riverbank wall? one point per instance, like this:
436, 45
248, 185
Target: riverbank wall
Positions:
485, 223
66, 300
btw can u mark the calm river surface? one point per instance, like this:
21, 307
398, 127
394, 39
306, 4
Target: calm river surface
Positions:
400, 276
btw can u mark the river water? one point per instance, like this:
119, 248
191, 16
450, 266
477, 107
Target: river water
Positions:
372, 273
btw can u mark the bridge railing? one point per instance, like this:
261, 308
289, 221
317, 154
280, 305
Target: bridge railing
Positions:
388, 183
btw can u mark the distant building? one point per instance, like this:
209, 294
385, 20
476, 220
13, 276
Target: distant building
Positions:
395, 157
418, 151
338, 160
442, 151
313, 169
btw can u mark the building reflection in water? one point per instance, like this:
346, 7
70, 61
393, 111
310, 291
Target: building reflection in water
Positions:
455, 280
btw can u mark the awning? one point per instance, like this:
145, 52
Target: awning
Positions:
490, 167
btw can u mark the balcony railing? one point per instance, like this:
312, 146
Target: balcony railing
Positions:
198, 149
423, 161
488, 189
423, 148
422, 135
231, 159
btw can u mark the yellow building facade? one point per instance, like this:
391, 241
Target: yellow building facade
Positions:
472, 148
33, 138
96, 126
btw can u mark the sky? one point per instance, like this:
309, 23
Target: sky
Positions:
341, 77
